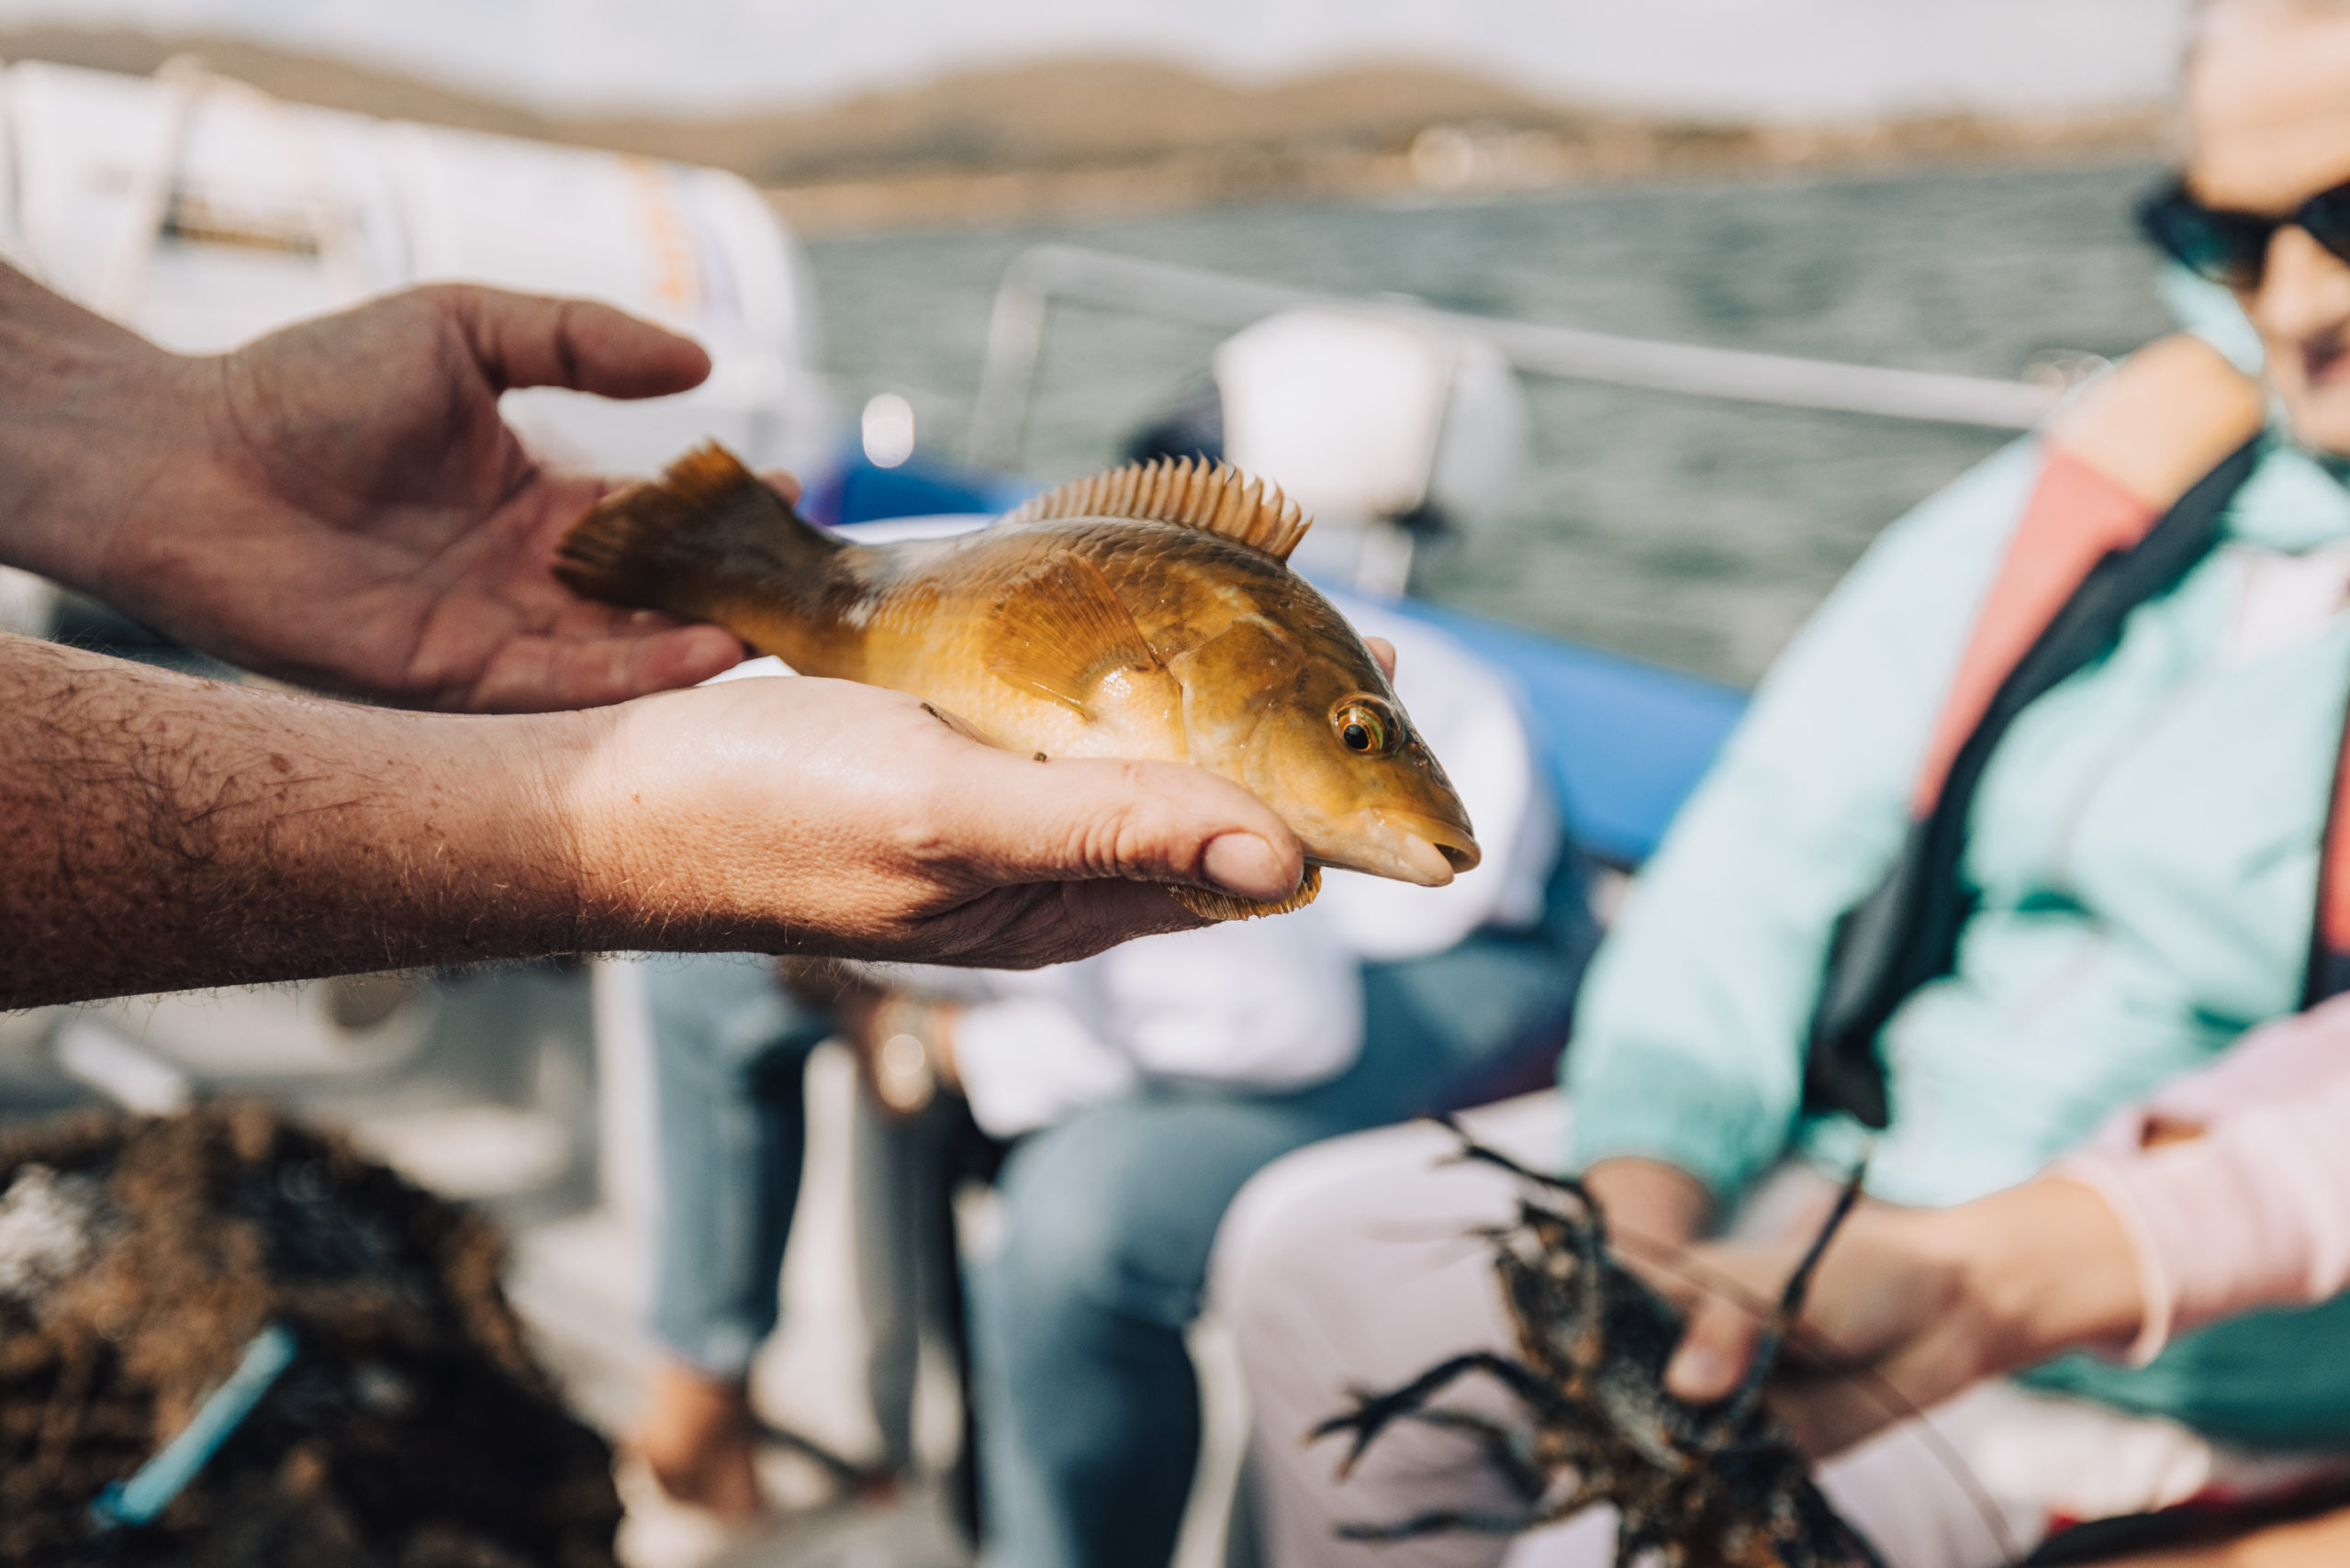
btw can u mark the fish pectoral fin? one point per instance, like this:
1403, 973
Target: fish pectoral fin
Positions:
1059, 630
1224, 906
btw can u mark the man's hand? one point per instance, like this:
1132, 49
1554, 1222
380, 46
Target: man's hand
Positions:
1911, 1307
339, 503
822, 817
248, 835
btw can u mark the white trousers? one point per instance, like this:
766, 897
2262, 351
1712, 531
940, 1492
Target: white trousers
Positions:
1349, 1267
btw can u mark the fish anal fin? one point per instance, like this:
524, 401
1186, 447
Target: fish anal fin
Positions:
1224, 906
1212, 497
1058, 629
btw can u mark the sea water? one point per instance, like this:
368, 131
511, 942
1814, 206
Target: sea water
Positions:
1692, 531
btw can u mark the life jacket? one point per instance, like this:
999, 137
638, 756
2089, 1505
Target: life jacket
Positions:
2138, 471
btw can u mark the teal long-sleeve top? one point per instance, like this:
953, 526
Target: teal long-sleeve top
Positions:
2145, 845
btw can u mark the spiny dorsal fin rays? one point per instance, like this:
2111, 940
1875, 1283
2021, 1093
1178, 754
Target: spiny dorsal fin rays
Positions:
1215, 498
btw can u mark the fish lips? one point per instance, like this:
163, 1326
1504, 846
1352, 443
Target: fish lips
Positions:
1408, 846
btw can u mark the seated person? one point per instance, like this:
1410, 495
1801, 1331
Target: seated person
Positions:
2127, 880
2227, 1191
1141, 1088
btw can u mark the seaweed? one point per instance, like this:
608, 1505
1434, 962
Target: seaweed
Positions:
139, 1258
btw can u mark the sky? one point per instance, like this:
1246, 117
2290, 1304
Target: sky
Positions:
1807, 59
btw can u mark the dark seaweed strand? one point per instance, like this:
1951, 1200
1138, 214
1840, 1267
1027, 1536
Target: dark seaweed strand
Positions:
1749, 1394
1473, 1153
1800, 1282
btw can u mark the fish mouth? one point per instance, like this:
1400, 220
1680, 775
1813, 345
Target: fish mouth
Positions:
1407, 846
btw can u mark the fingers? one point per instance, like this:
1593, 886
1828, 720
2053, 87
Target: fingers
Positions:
524, 339
1077, 820
1716, 1349
1383, 652
1075, 920
533, 675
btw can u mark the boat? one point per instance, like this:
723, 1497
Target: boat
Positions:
202, 213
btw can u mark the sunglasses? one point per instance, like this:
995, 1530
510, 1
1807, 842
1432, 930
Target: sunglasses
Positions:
2232, 248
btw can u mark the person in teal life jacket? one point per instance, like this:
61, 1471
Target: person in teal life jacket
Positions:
2028, 827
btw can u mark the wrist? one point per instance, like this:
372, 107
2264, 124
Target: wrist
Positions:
588, 824
662, 815
94, 411
2047, 1267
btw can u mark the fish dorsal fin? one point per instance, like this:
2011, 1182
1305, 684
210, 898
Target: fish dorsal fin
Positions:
1058, 627
1214, 497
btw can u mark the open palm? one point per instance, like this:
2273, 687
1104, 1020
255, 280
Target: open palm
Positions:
339, 504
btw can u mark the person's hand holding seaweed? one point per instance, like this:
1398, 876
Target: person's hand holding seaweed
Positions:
341, 504
1910, 1306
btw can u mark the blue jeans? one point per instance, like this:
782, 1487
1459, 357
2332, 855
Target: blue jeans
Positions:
730, 1056
1090, 1414
730, 1051
1089, 1410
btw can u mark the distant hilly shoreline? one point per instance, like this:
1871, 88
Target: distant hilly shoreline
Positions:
1062, 138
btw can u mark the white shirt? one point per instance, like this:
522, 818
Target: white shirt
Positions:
1268, 1004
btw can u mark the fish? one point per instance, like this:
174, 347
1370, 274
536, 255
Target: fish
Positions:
1147, 612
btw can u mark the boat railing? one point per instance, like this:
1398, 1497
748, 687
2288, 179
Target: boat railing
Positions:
1043, 276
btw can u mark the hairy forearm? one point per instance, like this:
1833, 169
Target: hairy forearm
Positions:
162, 831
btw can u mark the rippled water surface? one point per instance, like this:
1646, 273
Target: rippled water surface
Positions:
1695, 533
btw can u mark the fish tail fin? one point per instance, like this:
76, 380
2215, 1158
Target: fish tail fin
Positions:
687, 543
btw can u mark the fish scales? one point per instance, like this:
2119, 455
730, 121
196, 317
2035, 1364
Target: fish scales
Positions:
1147, 612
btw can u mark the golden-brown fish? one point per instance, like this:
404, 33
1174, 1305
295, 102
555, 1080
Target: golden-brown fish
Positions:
1144, 613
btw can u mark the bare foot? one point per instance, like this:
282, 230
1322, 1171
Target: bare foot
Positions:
697, 1436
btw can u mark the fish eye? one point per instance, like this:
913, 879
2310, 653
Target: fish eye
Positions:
1366, 726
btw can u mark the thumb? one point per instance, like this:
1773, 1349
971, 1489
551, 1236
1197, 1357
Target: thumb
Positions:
1715, 1352
1074, 819
526, 339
